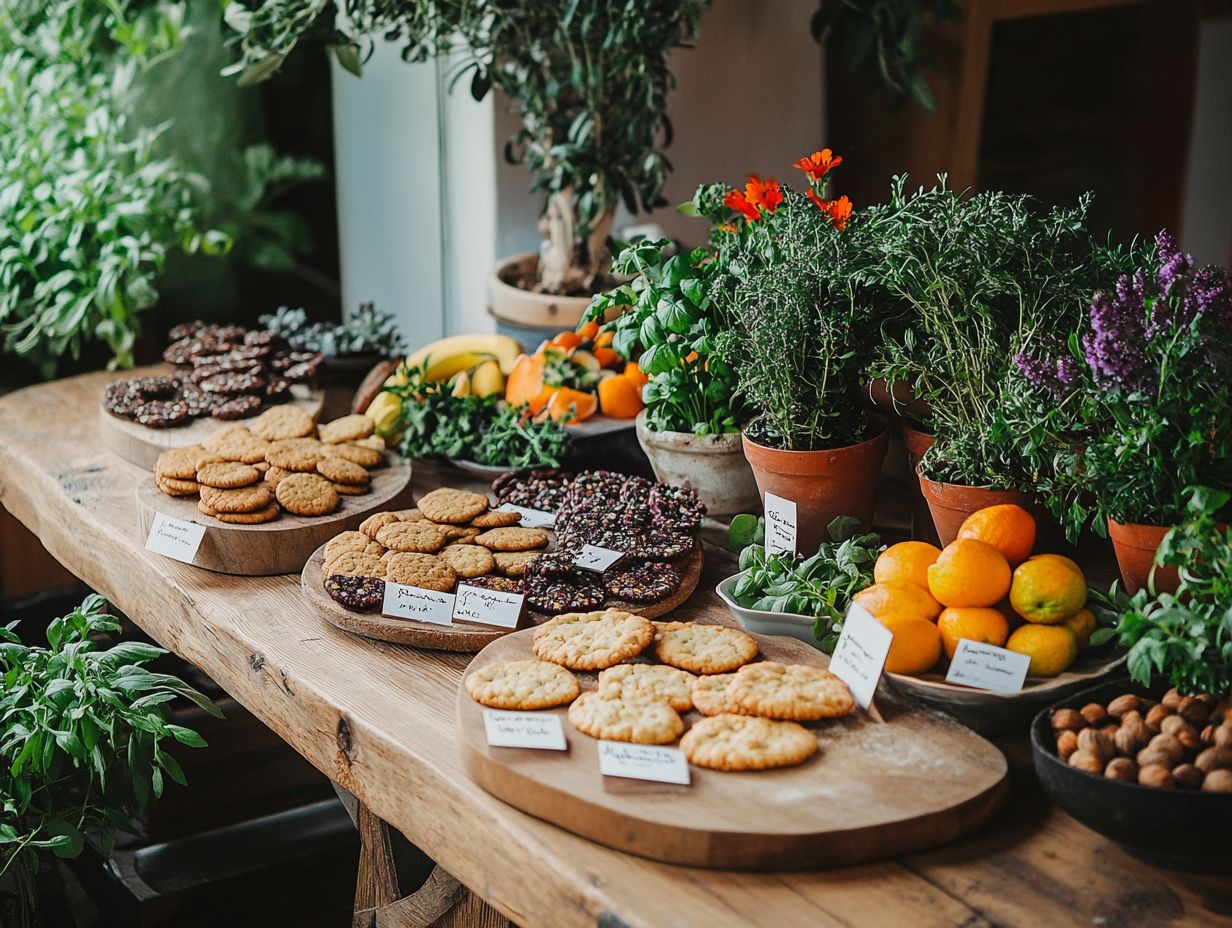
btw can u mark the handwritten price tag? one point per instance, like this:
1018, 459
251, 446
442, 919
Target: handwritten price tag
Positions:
987, 667
175, 538
596, 559
531, 518
523, 730
780, 525
488, 607
412, 602
860, 654
643, 762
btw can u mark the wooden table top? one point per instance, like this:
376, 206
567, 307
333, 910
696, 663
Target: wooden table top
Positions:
379, 720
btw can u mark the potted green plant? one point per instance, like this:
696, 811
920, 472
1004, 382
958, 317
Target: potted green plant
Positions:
589, 80
351, 346
666, 321
81, 752
1143, 396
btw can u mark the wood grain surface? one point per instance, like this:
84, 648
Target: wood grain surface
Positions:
283, 545
916, 780
379, 720
140, 445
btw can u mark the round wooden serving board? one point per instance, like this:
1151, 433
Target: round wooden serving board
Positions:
873, 790
140, 445
281, 546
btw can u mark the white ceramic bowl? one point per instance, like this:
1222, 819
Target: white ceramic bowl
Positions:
759, 622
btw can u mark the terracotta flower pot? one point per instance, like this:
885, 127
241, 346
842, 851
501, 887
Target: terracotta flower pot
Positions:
916, 441
951, 503
822, 484
713, 465
1135, 546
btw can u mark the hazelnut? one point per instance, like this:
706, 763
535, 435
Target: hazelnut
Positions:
1122, 704
1186, 776
1127, 742
1207, 736
1214, 759
1218, 781
1110, 729
1067, 744
1155, 717
1193, 711
1141, 733
1095, 714
1085, 760
1222, 736
1151, 757
1096, 742
1122, 768
1168, 744
1068, 720
1171, 699
1131, 716
1182, 731
1155, 775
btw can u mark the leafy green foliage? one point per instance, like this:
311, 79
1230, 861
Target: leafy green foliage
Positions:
364, 330
821, 585
83, 744
1186, 636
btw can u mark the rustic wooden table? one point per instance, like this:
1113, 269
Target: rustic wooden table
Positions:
378, 720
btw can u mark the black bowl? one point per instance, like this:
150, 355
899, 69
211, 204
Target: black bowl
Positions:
1185, 829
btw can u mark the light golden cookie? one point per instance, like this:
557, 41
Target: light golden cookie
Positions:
703, 648
242, 499
458, 533
282, 421
452, 507
633, 717
261, 467
307, 495
357, 564
349, 428
179, 463
592, 640
468, 560
425, 571
653, 680
371, 548
173, 487
345, 540
790, 691
275, 474
494, 519
375, 522
227, 475
712, 695
356, 454
292, 455
522, 685
225, 434
268, 514
513, 539
513, 563
410, 515
350, 489
240, 445
420, 537
745, 742
340, 470
375, 442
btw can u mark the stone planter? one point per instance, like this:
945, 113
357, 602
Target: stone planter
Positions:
713, 465
523, 309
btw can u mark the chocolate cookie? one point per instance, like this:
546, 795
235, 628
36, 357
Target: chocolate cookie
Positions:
646, 583
662, 545
356, 592
549, 594
233, 383
161, 414
675, 507
237, 407
504, 584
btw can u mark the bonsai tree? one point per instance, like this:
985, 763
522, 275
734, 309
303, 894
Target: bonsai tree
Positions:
589, 79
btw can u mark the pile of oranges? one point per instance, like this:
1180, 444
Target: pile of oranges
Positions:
985, 586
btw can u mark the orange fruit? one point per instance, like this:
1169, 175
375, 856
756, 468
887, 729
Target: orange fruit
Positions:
607, 357
636, 373
1082, 623
525, 381
897, 598
605, 338
567, 400
1048, 589
916, 647
907, 562
541, 399
969, 573
620, 397
566, 340
588, 330
1052, 648
1008, 528
978, 623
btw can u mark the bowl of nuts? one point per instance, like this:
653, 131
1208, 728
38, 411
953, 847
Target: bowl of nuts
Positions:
1143, 767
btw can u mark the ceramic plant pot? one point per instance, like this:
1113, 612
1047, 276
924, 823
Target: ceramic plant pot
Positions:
1135, 547
951, 503
525, 309
713, 465
822, 484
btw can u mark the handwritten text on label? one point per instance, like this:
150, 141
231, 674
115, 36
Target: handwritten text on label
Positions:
412, 602
597, 559
643, 762
523, 730
531, 518
988, 667
487, 607
780, 525
175, 538
860, 653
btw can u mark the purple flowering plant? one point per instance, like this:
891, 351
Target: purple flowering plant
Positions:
1139, 408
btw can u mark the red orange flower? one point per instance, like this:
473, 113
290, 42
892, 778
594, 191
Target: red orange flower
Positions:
757, 194
838, 210
819, 164
735, 199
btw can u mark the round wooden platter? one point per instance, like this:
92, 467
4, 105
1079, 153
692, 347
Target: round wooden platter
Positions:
140, 445
281, 546
873, 790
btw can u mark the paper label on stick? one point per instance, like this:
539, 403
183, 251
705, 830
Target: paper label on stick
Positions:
860, 653
592, 557
523, 730
643, 762
412, 602
487, 607
780, 525
531, 518
987, 667
174, 538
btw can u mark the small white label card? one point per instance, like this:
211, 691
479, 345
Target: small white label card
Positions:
412, 602
487, 607
643, 762
531, 518
174, 538
860, 653
597, 559
780, 525
987, 667
523, 730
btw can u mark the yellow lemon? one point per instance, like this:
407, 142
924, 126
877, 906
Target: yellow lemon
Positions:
1048, 589
1052, 648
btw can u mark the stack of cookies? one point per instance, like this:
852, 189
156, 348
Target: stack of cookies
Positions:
280, 462
751, 711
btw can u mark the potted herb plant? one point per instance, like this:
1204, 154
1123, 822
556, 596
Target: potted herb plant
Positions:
589, 80
351, 346
1143, 396
666, 322
83, 749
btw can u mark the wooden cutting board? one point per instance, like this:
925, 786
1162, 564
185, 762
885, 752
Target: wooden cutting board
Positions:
873, 790
281, 546
140, 445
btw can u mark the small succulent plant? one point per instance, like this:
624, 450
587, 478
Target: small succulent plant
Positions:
363, 331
